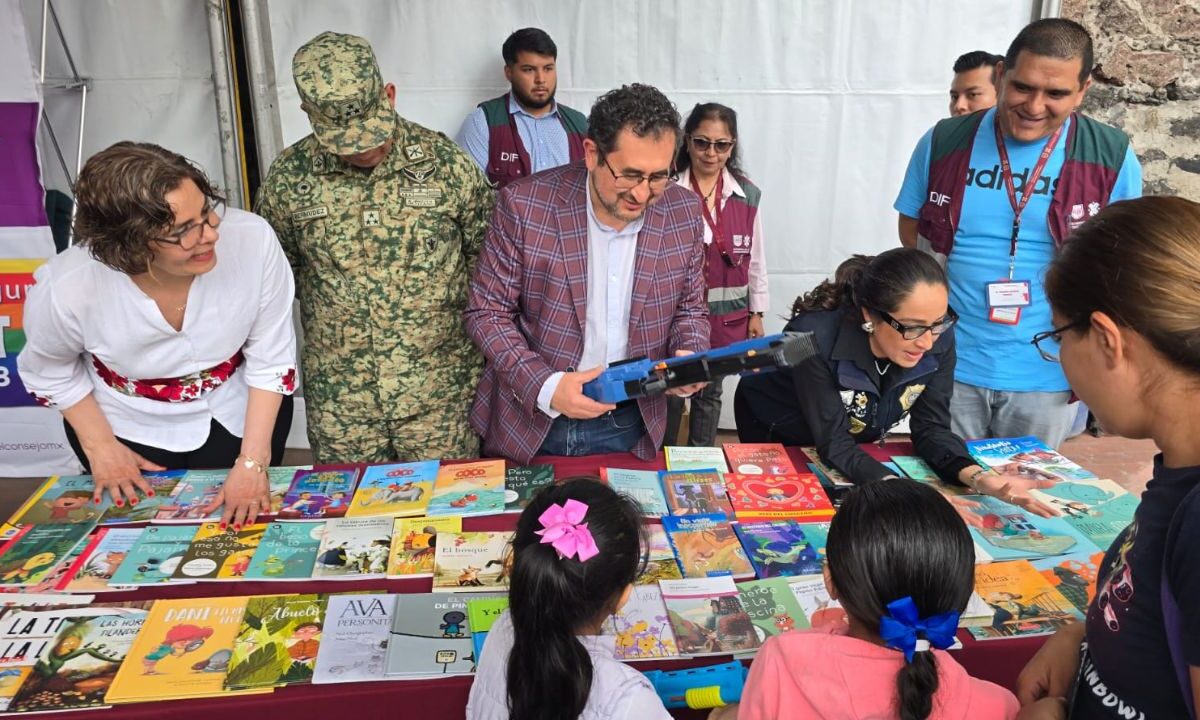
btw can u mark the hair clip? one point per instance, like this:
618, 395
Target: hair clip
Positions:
564, 529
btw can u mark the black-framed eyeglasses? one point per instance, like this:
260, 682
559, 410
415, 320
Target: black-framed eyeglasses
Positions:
1048, 343
189, 237
912, 332
700, 144
629, 180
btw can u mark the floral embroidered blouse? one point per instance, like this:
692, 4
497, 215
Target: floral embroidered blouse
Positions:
90, 329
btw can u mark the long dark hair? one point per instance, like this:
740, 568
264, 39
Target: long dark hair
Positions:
896, 539
551, 599
710, 111
881, 282
1138, 262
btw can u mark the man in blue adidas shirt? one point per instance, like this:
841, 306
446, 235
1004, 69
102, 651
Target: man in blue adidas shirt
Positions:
1003, 387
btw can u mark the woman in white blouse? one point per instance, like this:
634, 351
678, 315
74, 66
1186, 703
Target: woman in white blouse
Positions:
158, 355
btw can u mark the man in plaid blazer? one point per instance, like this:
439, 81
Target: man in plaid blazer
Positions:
585, 265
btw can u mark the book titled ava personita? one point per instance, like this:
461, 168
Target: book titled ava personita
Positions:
355, 638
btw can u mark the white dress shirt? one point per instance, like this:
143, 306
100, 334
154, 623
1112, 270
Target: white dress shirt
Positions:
611, 256
759, 299
81, 309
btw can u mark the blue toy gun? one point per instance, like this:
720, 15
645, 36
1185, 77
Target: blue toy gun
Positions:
700, 688
639, 377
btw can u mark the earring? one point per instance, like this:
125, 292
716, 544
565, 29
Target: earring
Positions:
868, 327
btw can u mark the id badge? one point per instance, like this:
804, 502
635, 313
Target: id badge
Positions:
1008, 294
741, 244
1005, 315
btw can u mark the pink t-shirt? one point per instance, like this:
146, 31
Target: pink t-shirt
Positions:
835, 677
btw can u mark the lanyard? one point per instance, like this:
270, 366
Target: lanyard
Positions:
1026, 190
713, 218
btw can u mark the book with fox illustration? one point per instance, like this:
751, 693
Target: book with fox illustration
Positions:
472, 562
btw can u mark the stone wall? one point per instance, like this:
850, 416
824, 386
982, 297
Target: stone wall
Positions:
1147, 82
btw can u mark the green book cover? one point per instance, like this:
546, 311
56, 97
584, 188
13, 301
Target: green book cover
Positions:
772, 606
37, 550
522, 483
287, 551
915, 468
278, 642
217, 554
61, 499
155, 555
483, 611
162, 482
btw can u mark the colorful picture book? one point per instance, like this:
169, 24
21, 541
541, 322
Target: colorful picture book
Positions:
278, 642
660, 558
641, 485
1024, 602
778, 548
75, 670
354, 638
1007, 532
522, 483
759, 459
61, 499
279, 480
765, 497
822, 611
318, 494
695, 492
430, 637
287, 551
1026, 456
642, 627
682, 458
162, 482
817, 535
398, 490
1074, 576
155, 556
915, 468
95, 566
182, 651
706, 546
707, 616
772, 606
1098, 509
482, 613
354, 548
217, 554
194, 492
471, 562
826, 474
414, 542
464, 489
35, 551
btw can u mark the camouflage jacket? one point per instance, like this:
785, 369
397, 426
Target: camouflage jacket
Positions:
382, 260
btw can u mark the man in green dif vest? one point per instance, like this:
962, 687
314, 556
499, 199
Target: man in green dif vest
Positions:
995, 193
524, 131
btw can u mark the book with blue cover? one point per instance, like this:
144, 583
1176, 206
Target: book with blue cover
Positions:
319, 494
778, 548
1026, 456
1099, 509
287, 551
641, 485
706, 546
1007, 532
155, 556
196, 490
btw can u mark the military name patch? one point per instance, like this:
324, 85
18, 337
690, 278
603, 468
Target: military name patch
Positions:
421, 197
419, 173
310, 213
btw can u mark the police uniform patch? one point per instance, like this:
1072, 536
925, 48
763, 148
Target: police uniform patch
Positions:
419, 173
370, 218
910, 395
310, 213
414, 152
423, 197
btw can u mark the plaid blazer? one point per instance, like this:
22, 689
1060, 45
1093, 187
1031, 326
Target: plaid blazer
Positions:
527, 303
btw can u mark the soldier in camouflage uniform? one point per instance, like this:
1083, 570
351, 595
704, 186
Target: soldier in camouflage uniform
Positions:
383, 221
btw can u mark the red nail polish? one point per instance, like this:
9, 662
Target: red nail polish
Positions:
133, 501
96, 500
222, 526
150, 494
237, 527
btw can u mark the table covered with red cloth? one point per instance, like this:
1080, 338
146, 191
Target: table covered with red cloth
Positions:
998, 661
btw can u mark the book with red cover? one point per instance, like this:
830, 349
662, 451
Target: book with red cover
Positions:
770, 497
759, 459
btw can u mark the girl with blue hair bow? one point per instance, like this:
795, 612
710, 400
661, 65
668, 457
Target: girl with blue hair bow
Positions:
901, 563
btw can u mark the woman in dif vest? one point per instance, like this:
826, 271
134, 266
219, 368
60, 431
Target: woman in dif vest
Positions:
734, 262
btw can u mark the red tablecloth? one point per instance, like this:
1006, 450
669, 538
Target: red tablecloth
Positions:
997, 661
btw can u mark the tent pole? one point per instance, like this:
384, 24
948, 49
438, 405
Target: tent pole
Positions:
268, 132
231, 167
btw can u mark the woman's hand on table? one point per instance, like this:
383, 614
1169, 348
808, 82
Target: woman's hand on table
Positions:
246, 494
1014, 489
117, 470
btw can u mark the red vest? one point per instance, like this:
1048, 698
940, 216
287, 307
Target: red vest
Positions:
729, 284
507, 158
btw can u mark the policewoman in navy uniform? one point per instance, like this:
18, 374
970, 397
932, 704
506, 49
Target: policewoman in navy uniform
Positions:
884, 329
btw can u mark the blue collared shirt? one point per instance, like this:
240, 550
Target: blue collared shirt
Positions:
544, 138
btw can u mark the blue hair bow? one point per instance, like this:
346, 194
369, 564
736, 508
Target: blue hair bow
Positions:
902, 625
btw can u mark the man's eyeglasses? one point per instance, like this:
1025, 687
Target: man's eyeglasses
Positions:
700, 145
912, 332
1048, 342
629, 180
189, 237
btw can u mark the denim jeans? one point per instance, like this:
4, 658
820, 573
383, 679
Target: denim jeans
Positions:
977, 413
615, 431
704, 418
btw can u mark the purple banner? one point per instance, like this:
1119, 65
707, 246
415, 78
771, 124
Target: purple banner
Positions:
22, 203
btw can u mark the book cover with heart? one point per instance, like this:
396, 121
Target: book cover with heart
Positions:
768, 497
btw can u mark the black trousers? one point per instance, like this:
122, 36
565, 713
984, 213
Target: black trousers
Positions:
218, 451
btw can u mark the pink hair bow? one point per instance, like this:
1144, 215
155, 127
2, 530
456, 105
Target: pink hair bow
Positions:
563, 527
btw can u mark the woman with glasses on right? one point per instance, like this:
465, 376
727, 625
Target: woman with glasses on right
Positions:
883, 328
162, 347
1125, 296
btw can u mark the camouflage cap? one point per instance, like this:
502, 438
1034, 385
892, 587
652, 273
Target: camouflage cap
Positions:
343, 94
